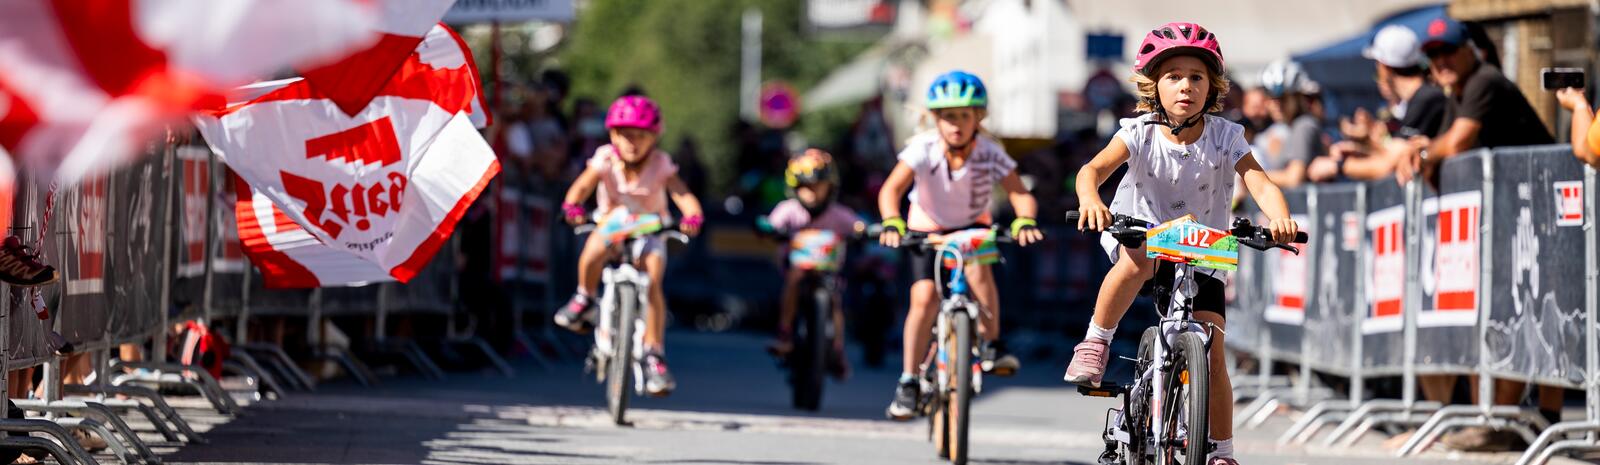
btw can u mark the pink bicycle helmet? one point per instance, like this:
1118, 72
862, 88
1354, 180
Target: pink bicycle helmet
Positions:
634, 111
1178, 38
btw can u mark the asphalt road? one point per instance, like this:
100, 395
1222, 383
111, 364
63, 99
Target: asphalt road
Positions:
731, 408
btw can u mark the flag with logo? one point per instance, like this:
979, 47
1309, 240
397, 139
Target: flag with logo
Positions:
338, 198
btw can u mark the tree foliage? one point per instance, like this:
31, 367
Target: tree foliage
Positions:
686, 55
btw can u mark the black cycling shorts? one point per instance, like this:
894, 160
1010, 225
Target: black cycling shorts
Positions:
922, 258
1210, 299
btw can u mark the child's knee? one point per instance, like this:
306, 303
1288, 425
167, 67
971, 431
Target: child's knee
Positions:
1139, 268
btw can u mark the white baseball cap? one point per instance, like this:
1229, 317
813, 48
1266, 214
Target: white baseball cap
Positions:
1395, 46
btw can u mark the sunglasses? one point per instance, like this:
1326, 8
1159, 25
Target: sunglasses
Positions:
1440, 50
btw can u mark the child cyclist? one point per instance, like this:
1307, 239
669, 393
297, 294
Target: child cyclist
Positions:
1175, 153
631, 174
812, 178
955, 169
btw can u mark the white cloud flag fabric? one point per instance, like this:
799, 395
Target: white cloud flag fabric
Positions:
337, 198
84, 83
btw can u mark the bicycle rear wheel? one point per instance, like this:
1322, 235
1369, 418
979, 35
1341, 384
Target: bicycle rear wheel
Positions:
961, 390
1137, 418
620, 379
1188, 405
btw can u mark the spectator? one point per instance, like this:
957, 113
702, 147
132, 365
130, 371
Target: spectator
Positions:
1253, 113
1585, 130
548, 142
1292, 102
1485, 109
587, 134
556, 83
1417, 107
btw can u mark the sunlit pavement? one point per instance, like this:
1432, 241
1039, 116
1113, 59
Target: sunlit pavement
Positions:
731, 408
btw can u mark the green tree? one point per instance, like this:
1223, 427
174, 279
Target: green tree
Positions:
685, 54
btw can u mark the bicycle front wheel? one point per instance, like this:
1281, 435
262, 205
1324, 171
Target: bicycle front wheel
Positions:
620, 378
1188, 411
961, 389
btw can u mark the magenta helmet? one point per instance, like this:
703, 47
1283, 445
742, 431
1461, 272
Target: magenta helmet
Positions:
634, 111
1178, 38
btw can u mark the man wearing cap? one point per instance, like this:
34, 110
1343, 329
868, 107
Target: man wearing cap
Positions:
1418, 107
1485, 110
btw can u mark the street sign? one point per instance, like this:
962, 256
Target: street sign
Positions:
509, 11
779, 105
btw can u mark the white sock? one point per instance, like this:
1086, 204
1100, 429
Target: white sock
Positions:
1102, 333
1224, 448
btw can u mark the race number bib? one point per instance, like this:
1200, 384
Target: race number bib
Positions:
1185, 240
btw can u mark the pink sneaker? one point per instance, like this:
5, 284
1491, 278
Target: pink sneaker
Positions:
1088, 362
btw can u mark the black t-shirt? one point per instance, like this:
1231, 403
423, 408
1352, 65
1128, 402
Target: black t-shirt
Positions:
1424, 112
1495, 102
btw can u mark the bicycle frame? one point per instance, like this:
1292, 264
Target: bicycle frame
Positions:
960, 300
1177, 320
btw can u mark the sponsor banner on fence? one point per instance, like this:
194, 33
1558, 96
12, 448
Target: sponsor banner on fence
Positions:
1334, 303
1536, 302
1452, 250
1286, 285
140, 231
1384, 277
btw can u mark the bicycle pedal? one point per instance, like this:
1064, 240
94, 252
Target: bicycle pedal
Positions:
1105, 390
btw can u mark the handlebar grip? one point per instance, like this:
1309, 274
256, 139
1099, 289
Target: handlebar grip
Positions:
1301, 237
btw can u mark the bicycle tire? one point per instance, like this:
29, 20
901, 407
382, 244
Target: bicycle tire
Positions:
807, 363
620, 378
1193, 393
961, 391
1137, 417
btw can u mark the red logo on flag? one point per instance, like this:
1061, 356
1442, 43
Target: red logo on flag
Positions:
1569, 203
362, 145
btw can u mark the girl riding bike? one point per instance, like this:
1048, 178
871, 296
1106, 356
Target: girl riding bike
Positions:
812, 178
955, 169
631, 174
1175, 153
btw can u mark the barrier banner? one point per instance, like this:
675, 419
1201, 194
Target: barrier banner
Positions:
1248, 285
348, 301
26, 335
1383, 278
1287, 283
76, 244
1536, 290
508, 237
1334, 297
139, 231
539, 221
430, 291
1452, 245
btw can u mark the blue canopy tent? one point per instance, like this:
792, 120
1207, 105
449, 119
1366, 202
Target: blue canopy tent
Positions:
1346, 76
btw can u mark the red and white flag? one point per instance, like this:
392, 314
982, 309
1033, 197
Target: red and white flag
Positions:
83, 83
336, 198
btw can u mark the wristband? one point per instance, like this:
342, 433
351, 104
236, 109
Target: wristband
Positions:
693, 221
899, 225
572, 210
1022, 223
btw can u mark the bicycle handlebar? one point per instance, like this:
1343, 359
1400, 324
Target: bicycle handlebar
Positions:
668, 230
925, 240
1130, 232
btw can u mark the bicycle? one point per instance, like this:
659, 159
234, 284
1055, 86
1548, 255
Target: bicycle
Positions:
624, 291
1172, 371
820, 253
951, 376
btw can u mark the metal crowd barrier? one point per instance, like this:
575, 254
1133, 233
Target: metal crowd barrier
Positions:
1481, 277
